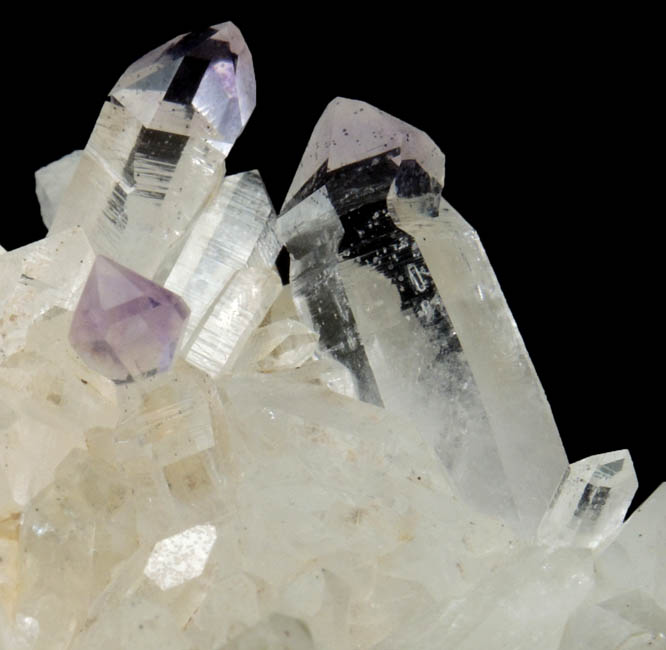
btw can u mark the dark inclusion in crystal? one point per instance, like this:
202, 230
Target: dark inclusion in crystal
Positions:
363, 194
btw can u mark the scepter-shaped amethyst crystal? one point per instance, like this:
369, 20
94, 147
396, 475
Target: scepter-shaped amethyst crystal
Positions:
126, 326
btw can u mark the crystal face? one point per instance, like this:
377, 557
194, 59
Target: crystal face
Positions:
126, 326
360, 459
176, 559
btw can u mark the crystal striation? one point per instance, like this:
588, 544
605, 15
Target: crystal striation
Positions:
362, 459
156, 154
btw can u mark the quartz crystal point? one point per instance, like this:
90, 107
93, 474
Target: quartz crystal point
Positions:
591, 502
126, 326
156, 154
399, 290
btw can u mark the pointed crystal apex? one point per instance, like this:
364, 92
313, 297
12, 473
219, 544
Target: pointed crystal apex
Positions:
591, 502
379, 151
399, 291
126, 326
200, 83
156, 155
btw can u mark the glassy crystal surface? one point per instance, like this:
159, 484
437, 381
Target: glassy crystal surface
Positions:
400, 292
234, 230
126, 326
156, 154
591, 502
237, 312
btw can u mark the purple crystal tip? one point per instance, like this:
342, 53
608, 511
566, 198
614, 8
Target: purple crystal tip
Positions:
126, 326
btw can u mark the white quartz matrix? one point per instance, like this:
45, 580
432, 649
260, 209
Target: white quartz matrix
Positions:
362, 459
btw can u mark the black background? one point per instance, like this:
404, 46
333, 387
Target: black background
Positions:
546, 121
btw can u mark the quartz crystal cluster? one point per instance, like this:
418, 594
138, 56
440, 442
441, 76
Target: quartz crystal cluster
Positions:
196, 457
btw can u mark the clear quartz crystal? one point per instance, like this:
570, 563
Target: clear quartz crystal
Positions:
235, 230
360, 460
237, 312
157, 152
399, 290
591, 502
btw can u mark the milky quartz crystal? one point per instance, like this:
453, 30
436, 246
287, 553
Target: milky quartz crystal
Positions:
363, 458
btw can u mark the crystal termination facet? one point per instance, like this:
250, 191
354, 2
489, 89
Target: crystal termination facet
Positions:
126, 326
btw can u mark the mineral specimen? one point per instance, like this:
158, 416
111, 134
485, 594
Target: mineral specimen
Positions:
361, 459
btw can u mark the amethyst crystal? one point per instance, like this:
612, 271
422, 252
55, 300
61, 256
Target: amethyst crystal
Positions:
126, 326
